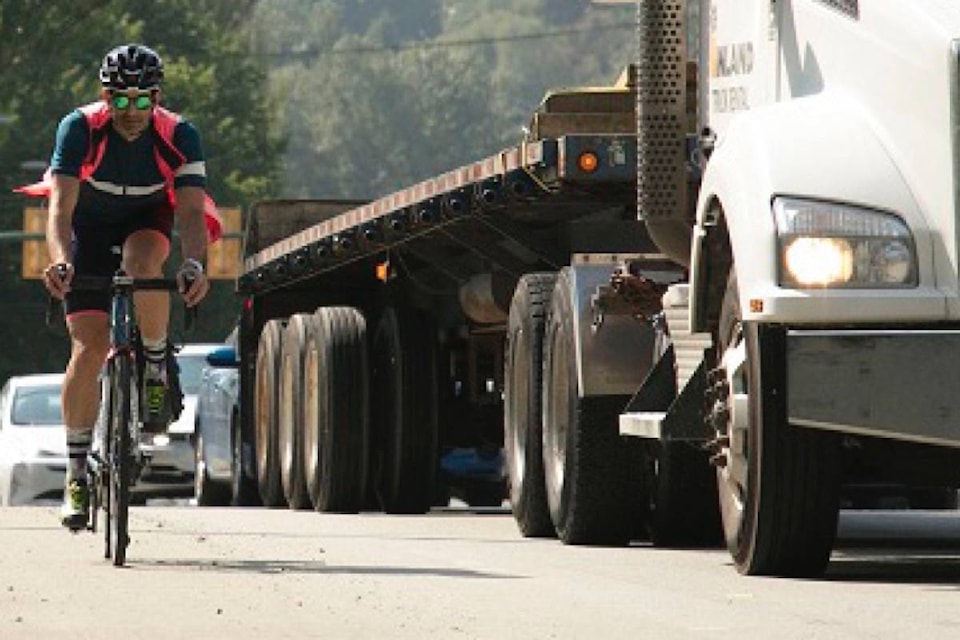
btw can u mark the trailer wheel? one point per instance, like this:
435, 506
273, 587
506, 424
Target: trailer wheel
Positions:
291, 423
405, 411
336, 403
266, 413
779, 486
243, 489
523, 387
586, 470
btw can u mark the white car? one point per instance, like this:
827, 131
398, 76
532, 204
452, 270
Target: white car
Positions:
33, 445
169, 457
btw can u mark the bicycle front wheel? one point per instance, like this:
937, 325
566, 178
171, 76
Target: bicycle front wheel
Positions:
104, 442
121, 455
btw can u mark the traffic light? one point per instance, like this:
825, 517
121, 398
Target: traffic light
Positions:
223, 256
35, 257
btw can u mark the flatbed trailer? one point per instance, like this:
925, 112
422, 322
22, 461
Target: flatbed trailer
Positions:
424, 277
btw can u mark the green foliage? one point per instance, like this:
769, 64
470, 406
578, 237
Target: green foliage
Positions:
377, 95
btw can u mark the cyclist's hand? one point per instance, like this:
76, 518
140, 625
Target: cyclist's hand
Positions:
192, 282
57, 277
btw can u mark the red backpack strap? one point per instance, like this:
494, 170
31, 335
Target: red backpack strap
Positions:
97, 115
165, 122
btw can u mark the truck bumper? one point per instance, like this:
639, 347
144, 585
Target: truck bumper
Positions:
890, 384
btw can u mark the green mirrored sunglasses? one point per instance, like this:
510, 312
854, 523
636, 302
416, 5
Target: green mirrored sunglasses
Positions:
122, 101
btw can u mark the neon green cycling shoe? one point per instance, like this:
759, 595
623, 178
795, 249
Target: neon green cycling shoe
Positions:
156, 413
76, 505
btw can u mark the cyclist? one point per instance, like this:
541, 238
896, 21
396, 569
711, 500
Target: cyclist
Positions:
123, 170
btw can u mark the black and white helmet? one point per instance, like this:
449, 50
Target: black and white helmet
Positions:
131, 66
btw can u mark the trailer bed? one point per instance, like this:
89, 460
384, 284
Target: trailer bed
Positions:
520, 210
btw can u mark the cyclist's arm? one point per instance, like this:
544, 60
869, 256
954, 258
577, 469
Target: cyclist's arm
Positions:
190, 223
70, 147
190, 183
64, 191
63, 200
193, 243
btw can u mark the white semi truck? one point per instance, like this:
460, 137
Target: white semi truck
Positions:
734, 281
822, 256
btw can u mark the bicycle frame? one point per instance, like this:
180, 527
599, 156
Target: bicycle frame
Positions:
117, 441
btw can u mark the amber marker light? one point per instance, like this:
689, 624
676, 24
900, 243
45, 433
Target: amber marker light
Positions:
383, 271
588, 162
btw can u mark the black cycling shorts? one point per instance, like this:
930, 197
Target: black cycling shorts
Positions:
96, 252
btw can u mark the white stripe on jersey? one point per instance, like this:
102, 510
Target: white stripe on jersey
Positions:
192, 169
125, 190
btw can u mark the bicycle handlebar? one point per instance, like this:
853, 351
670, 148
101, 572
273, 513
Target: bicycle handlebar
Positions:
111, 283
108, 283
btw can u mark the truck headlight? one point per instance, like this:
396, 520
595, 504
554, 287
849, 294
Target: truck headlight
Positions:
829, 245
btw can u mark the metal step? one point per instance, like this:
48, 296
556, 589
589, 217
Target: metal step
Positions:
642, 424
688, 347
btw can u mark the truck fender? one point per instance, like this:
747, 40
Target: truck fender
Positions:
823, 147
614, 355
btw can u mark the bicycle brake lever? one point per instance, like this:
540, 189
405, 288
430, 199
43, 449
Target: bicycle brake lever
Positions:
190, 317
52, 301
51, 309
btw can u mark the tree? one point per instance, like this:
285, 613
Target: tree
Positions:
376, 96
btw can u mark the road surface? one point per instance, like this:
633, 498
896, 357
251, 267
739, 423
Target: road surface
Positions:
267, 574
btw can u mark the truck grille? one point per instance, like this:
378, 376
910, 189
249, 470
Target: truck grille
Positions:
849, 7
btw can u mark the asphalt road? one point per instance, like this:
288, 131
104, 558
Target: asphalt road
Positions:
265, 574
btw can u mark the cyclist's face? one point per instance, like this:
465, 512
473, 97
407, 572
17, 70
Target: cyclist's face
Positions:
131, 110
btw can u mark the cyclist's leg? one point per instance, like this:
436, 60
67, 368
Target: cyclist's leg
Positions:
145, 252
87, 324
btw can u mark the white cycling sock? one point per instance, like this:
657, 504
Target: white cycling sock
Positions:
78, 446
155, 350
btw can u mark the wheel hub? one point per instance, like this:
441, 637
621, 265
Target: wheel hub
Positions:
731, 422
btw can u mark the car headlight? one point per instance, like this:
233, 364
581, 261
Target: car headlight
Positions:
829, 245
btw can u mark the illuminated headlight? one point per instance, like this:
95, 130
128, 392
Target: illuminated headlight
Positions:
829, 245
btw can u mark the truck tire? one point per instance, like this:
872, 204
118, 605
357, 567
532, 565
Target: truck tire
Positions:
336, 415
291, 423
780, 485
266, 413
405, 411
523, 388
243, 488
586, 466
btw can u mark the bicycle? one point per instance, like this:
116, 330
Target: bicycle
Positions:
115, 457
